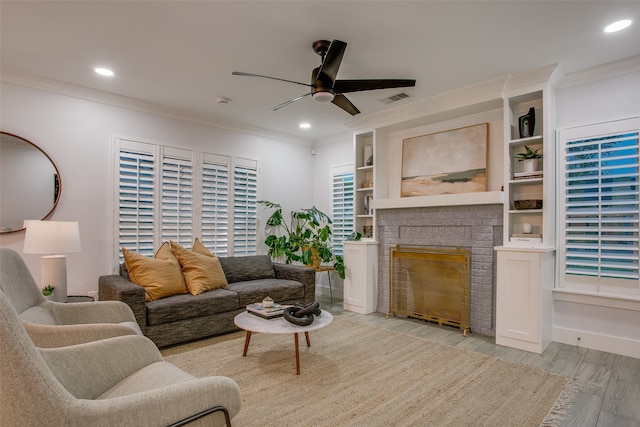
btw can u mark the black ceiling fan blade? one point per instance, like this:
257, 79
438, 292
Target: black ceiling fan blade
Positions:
239, 73
347, 86
342, 102
332, 60
291, 101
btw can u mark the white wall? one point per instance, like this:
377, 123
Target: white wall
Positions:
78, 135
606, 324
337, 152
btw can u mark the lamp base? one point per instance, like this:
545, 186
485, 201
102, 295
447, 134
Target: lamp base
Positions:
54, 273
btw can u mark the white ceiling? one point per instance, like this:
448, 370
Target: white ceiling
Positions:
180, 54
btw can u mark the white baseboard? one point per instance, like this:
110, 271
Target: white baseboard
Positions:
615, 345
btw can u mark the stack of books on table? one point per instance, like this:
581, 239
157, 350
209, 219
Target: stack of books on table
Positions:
272, 312
527, 175
526, 238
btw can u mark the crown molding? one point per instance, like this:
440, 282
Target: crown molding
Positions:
33, 81
334, 139
600, 72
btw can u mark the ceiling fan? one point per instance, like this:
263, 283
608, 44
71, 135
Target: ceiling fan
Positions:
325, 87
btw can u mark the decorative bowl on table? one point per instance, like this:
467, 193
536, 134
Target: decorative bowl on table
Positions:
527, 204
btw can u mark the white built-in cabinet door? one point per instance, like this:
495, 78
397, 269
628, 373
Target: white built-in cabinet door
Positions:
523, 300
360, 283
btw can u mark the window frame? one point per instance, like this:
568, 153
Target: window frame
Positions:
338, 237
594, 135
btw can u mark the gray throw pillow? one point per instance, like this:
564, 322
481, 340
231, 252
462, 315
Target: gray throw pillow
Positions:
243, 268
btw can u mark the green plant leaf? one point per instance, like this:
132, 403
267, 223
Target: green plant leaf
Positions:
529, 154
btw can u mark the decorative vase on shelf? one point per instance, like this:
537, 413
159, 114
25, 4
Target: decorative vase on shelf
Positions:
526, 123
368, 155
530, 165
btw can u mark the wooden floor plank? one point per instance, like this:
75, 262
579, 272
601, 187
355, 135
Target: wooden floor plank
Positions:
593, 378
584, 412
609, 420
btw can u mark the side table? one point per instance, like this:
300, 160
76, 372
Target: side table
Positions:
328, 269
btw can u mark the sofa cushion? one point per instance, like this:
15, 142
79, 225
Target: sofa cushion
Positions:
278, 289
201, 272
187, 306
161, 276
245, 268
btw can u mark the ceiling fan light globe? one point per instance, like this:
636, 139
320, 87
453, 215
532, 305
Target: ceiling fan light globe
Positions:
323, 96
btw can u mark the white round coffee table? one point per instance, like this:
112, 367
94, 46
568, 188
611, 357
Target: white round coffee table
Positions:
252, 323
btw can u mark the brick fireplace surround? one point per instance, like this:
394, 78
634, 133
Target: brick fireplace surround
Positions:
477, 228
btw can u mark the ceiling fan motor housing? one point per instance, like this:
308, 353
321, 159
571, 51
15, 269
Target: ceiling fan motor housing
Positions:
322, 84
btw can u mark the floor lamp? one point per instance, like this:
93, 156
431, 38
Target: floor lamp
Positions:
55, 239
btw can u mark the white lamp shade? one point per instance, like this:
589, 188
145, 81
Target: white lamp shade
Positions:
51, 237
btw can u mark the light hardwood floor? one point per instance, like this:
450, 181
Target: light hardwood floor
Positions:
609, 384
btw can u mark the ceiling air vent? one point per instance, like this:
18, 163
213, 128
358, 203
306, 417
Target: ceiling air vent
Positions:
394, 98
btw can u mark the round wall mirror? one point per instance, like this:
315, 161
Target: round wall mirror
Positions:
30, 183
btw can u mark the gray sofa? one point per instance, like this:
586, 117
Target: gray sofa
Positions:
185, 317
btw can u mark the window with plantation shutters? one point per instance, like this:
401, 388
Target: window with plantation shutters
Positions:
215, 203
165, 193
342, 206
245, 207
177, 196
599, 209
136, 199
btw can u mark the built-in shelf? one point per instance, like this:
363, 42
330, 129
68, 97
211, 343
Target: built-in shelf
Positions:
481, 198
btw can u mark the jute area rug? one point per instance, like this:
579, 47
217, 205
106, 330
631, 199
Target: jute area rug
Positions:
360, 375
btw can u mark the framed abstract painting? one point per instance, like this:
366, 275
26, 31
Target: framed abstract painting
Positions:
449, 162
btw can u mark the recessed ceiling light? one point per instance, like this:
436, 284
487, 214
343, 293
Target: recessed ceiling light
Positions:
617, 26
305, 125
103, 71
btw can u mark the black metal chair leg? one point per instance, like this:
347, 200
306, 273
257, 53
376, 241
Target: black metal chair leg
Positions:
192, 418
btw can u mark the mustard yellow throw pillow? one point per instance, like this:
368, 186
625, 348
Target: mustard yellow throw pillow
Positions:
200, 248
160, 276
201, 272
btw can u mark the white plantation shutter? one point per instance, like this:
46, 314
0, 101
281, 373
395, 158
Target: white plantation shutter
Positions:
600, 167
165, 193
177, 196
136, 198
245, 207
342, 209
215, 204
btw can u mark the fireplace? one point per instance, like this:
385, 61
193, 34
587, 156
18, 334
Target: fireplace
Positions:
475, 228
431, 284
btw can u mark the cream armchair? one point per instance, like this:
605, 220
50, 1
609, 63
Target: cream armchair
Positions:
53, 324
120, 381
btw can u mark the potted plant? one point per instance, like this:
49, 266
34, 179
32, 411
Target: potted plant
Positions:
47, 291
306, 238
530, 158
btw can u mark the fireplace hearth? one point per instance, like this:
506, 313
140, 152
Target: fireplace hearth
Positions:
476, 228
